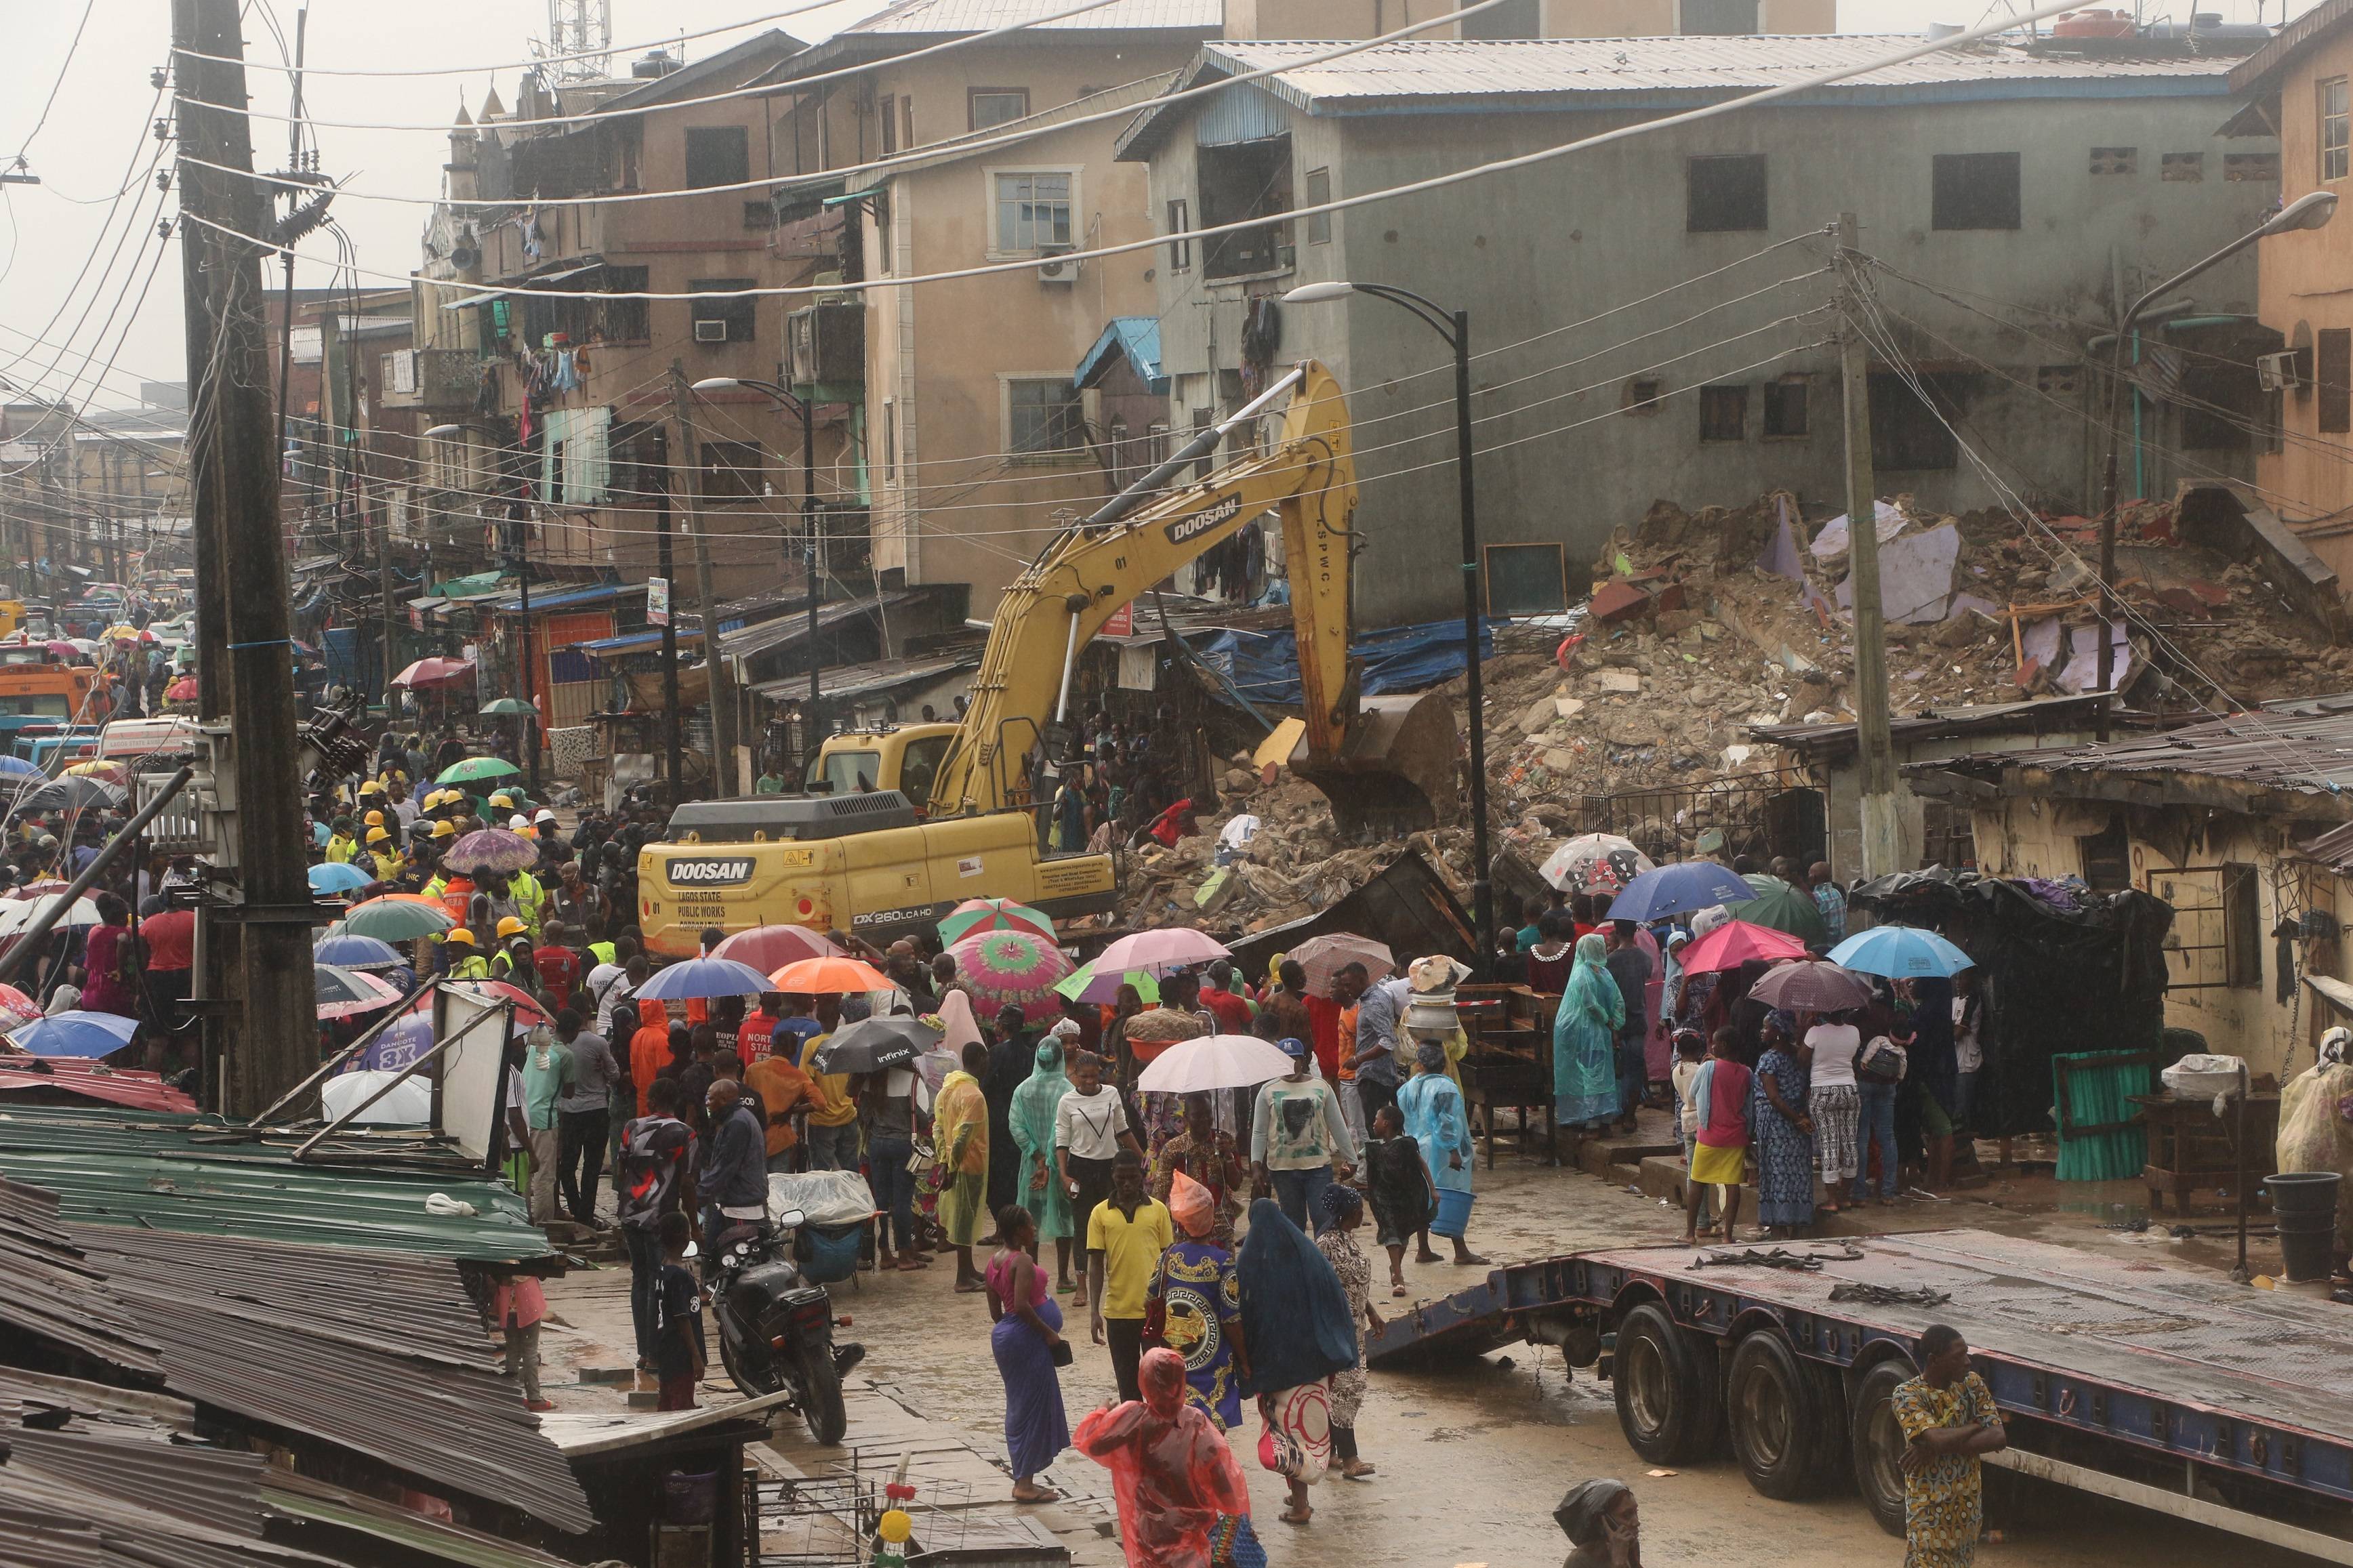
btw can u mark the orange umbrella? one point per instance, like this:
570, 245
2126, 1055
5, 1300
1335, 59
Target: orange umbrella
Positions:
829, 976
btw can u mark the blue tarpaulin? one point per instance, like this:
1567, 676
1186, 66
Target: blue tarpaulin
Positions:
1264, 666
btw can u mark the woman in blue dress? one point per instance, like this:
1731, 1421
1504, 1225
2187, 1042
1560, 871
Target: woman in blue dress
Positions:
1029, 1330
1784, 1132
1585, 1043
1434, 1117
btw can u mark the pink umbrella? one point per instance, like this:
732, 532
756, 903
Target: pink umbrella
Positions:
769, 948
15, 1007
1013, 969
492, 850
528, 1012
1169, 947
431, 672
1735, 943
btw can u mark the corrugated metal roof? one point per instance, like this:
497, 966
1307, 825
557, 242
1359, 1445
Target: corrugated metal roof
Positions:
573, 599
2258, 70
848, 681
986, 15
1135, 337
2303, 749
54, 1295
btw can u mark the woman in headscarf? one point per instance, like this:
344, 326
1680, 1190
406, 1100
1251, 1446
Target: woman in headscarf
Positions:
1784, 1131
1344, 1211
1029, 1330
1296, 1322
1174, 1476
1603, 1524
1032, 1117
1201, 1304
960, 1139
1434, 1119
1585, 1042
2316, 1126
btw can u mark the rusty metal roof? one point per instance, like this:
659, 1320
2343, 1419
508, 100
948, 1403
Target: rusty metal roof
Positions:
54, 1295
2302, 749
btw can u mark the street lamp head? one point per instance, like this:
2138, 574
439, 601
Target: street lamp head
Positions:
440, 430
1317, 293
2310, 211
717, 383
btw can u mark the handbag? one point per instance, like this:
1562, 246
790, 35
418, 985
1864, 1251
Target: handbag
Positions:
1155, 1309
922, 1161
1063, 1354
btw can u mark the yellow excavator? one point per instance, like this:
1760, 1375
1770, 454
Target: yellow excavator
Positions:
879, 864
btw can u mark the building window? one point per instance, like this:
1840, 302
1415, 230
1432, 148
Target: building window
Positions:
2106, 857
1785, 409
992, 106
1722, 413
1724, 194
624, 320
2183, 168
2336, 127
1043, 415
717, 155
890, 440
907, 120
1239, 183
1180, 243
1319, 191
1719, 18
2332, 374
1908, 433
1974, 190
735, 313
2260, 167
731, 471
889, 122
2116, 160
1511, 19
1032, 211
1640, 395
759, 214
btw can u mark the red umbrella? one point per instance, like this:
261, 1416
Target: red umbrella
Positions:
528, 1012
1735, 943
769, 948
181, 691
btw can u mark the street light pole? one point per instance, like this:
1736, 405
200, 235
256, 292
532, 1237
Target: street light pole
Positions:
1455, 328
2306, 212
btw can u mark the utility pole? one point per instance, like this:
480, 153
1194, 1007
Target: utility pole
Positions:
722, 688
235, 482
670, 625
1883, 833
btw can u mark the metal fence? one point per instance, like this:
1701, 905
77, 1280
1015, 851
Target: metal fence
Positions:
1779, 811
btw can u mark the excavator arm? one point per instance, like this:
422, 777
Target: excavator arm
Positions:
1387, 765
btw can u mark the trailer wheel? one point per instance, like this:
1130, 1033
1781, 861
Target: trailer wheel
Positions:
1878, 1445
1777, 1425
1667, 1403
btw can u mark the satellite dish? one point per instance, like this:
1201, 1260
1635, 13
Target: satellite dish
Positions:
465, 256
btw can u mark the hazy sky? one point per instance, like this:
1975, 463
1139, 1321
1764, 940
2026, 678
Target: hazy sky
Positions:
73, 260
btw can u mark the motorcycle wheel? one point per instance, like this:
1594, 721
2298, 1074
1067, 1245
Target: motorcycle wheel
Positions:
820, 1395
749, 1387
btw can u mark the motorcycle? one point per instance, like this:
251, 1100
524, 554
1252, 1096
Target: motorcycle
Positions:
775, 1328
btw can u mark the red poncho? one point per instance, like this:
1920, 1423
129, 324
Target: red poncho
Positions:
1170, 1467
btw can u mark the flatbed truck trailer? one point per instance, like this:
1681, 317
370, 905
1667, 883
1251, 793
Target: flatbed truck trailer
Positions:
2137, 1381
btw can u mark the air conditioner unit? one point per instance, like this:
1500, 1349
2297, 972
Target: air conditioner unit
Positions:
1057, 266
2282, 372
711, 331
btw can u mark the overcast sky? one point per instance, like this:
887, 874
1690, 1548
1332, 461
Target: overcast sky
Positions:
73, 260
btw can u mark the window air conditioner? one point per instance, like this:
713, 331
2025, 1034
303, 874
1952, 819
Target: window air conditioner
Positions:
2279, 372
711, 331
1055, 265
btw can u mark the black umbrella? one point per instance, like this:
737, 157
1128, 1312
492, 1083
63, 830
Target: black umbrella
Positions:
872, 1043
70, 793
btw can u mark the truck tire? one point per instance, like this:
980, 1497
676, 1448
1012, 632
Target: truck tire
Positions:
1780, 1433
1667, 1405
820, 1395
1878, 1445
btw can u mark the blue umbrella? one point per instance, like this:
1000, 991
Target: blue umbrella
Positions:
704, 977
18, 768
1901, 953
1685, 887
330, 877
349, 950
77, 1034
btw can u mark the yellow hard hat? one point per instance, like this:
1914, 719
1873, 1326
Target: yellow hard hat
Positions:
377, 835
372, 787
375, 819
511, 926
502, 799
445, 830
460, 934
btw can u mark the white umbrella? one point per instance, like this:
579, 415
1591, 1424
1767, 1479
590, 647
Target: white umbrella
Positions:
19, 915
1214, 1062
1594, 861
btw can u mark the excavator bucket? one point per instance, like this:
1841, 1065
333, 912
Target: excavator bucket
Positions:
1395, 772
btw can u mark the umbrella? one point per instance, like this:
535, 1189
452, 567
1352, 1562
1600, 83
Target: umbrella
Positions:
104, 772
18, 914
123, 633
1782, 907
829, 977
1900, 952
993, 914
1169, 947
1324, 957
17, 767
492, 850
61, 647
1811, 986
181, 691
703, 977
330, 877
1735, 943
872, 1043
770, 948
476, 769
70, 795
16, 1007
343, 993
75, 1034
1593, 861
507, 707
528, 1012
1682, 889
428, 672
394, 919
349, 951
1087, 984
1013, 969
1215, 1061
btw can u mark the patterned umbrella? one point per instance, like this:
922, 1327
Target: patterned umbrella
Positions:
993, 914
769, 948
492, 850
1811, 987
1324, 957
344, 993
829, 977
1160, 951
1013, 969
394, 919
15, 1007
1595, 862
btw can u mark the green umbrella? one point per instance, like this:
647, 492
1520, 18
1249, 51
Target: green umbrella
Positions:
1782, 908
473, 770
507, 707
394, 919
1084, 985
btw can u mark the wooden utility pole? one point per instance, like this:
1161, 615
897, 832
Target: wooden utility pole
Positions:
234, 478
722, 688
1883, 833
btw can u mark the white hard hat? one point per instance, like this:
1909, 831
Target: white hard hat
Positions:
519, 823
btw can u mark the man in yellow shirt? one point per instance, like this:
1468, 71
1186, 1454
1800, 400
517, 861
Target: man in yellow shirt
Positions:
340, 845
1125, 1237
384, 854
833, 1111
